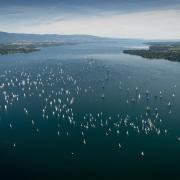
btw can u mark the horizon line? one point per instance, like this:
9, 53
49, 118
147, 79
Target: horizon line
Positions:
109, 37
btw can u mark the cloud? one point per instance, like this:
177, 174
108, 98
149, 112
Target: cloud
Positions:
150, 25
116, 18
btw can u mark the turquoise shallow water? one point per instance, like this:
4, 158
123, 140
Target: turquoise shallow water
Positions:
89, 111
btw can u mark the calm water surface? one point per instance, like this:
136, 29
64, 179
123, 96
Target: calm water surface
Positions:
89, 111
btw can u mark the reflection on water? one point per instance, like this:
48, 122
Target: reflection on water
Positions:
88, 108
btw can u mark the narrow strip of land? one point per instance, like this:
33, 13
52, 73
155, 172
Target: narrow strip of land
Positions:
27, 47
161, 50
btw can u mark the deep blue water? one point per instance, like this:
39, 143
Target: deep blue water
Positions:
89, 111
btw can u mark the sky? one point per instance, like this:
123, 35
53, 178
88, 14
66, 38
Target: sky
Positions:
146, 19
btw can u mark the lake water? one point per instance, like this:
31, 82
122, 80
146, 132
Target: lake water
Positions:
88, 111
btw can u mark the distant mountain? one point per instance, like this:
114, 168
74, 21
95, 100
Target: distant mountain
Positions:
15, 37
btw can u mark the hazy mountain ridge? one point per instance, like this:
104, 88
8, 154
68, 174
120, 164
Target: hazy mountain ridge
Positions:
11, 43
74, 38
17, 37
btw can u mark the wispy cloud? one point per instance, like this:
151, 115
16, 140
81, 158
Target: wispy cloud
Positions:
130, 18
150, 25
